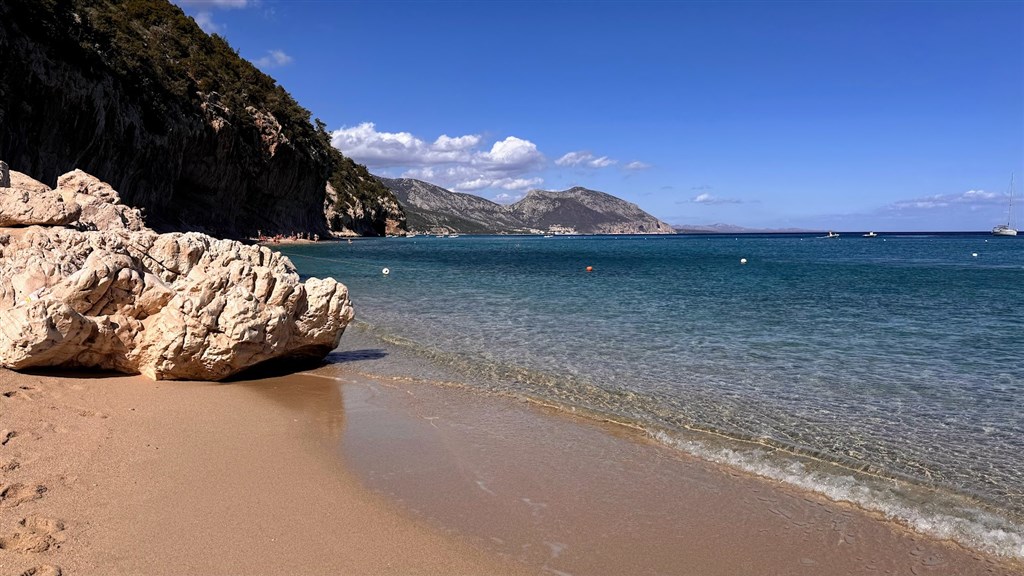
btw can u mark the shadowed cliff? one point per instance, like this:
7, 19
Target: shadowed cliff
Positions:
135, 93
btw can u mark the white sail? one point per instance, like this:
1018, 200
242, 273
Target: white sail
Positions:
1007, 229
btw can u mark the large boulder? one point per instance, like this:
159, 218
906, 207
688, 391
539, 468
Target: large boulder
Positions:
169, 306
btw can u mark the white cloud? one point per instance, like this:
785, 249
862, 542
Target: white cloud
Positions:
205, 21
470, 178
519, 183
972, 198
637, 165
584, 158
455, 162
707, 198
204, 14
510, 154
274, 59
447, 143
978, 195
506, 198
391, 149
573, 158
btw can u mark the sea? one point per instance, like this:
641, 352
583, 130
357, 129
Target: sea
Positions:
887, 371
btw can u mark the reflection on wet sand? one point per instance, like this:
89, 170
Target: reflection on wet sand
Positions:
567, 495
316, 399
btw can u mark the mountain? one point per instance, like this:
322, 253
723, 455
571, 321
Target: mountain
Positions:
587, 211
433, 209
133, 92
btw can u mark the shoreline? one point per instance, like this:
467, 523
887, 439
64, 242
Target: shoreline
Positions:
332, 470
931, 510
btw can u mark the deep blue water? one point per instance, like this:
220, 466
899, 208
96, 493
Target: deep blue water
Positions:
898, 355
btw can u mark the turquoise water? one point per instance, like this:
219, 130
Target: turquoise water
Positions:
885, 371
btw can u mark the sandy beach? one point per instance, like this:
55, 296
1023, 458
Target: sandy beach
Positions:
121, 475
330, 471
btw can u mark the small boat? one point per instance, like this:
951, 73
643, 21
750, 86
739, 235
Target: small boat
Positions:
832, 234
1007, 229
870, 235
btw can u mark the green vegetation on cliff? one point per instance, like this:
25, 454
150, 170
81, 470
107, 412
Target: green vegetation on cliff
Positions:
362, 204
135, 93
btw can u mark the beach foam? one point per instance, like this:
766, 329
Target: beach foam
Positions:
941, 515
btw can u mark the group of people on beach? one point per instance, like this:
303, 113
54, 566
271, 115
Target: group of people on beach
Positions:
296, 237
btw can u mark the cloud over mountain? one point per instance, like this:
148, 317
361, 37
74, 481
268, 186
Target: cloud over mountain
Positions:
458, 162
273, 59
204, 13
583, 158
708, 198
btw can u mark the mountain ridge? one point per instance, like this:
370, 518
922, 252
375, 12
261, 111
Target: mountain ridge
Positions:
432, 209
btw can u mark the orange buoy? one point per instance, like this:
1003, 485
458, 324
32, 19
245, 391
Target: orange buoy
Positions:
590, 268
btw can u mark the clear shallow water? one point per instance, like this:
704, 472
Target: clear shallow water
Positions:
900, 356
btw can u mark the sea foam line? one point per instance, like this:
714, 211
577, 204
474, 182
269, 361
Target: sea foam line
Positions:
952, 519
969, 526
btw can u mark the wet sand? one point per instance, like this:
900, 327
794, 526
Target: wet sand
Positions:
330, 471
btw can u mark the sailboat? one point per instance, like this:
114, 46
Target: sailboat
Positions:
1007, 229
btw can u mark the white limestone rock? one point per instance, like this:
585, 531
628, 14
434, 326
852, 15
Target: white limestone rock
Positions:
169, 306
101, 204
24, 208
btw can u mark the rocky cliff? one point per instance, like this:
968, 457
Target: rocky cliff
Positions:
135, 93
358, 204
433, 209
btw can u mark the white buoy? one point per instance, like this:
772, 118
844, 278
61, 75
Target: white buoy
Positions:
385, 271
975, 254
743, 260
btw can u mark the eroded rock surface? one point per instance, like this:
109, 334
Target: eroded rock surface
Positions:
169, 306
24, 208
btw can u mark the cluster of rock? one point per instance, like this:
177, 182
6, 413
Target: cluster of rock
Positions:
84, 283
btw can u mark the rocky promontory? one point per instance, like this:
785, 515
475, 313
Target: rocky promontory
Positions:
84, 284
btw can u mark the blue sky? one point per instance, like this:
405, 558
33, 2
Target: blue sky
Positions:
864, 115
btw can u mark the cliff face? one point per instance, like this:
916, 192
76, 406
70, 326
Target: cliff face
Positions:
135, 93
433, 209
357, 204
